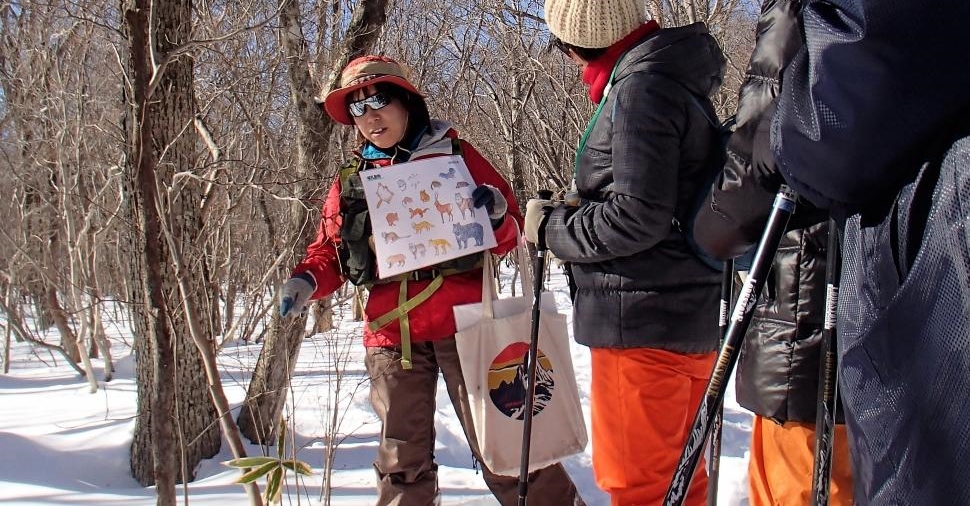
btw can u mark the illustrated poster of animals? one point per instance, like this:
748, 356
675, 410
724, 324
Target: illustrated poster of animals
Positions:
422, 214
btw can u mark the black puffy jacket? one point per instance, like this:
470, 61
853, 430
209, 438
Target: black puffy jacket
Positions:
779, 365
638, 284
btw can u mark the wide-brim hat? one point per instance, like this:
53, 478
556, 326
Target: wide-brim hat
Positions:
360, 73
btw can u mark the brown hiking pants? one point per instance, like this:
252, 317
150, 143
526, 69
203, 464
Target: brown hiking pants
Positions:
405, 402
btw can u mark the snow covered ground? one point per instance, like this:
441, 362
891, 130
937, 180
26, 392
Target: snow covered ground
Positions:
60, 444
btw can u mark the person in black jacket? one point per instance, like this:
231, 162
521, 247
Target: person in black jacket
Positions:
873, 124
778, 372
645, 305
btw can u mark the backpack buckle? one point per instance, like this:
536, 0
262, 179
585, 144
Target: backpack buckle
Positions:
423, 274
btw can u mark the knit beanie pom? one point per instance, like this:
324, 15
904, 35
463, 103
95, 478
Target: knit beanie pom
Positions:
593, 24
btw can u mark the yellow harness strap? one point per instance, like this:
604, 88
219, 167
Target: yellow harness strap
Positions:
404, 306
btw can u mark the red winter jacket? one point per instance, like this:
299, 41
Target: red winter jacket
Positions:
433, 319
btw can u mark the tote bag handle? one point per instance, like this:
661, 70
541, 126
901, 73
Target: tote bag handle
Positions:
521, 255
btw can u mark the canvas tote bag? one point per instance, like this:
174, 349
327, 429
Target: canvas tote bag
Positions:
493, 345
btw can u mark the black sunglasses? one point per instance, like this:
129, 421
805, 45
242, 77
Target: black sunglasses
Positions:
557, 43
375, 102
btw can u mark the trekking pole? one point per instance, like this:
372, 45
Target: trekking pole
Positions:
538, 275
714, 467
781, 211
828, 377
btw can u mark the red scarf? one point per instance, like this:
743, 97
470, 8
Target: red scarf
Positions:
598, 71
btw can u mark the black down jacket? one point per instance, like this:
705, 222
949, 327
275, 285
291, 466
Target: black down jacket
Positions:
778, 370
638, 284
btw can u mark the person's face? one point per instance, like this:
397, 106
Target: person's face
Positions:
581, 63
383, 127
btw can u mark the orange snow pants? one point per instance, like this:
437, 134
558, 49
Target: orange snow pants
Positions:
643, 403
780, 466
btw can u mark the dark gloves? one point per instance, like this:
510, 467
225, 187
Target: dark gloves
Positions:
295, 294
492, 200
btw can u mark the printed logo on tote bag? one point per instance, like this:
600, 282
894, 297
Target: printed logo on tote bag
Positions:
507, 377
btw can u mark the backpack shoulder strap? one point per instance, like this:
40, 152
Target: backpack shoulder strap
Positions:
350, 167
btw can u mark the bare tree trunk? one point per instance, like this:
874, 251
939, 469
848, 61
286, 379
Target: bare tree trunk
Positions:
176, 417
68, 337
267, 390
8, 329
266, 397
100, 338
152, 451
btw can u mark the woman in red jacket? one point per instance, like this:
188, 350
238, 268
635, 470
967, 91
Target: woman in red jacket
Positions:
406, 348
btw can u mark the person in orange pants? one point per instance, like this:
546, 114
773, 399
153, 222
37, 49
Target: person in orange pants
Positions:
643, 303
782, 457
643, 406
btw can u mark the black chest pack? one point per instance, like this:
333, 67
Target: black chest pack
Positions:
357, 261
684, 218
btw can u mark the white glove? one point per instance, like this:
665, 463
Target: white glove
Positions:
536, 214
295, 294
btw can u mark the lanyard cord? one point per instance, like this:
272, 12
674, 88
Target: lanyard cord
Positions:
596, 115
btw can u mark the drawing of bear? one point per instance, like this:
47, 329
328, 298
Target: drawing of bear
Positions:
392, 218
468, 231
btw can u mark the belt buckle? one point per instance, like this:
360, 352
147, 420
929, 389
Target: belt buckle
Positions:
421, 274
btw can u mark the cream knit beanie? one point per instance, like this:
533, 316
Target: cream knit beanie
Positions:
593, 23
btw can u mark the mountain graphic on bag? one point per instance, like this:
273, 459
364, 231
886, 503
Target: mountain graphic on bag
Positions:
493, 342
508, 381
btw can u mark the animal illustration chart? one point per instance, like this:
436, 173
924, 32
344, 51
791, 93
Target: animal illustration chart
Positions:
422, 214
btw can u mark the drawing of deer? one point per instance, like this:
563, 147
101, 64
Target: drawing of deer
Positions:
444, 209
